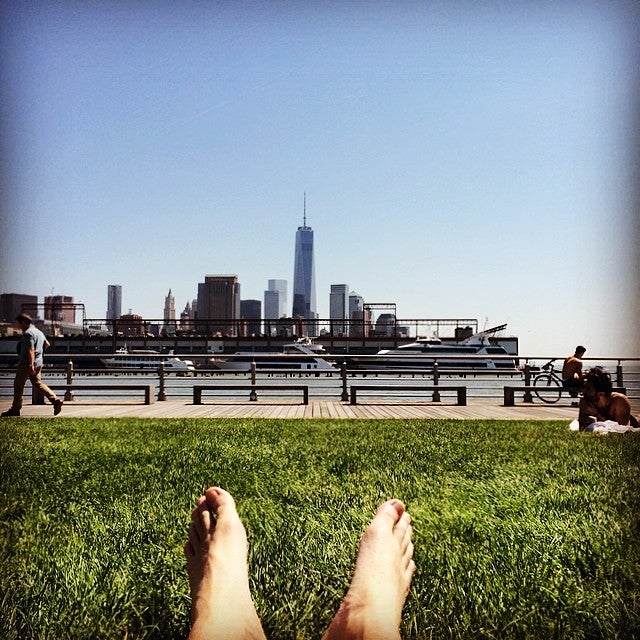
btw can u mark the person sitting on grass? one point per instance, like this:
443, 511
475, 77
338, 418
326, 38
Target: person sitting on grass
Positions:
599, 401
216, 551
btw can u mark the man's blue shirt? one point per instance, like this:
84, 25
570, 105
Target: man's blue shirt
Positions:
32, 338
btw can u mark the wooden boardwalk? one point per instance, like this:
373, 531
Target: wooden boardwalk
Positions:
325, 409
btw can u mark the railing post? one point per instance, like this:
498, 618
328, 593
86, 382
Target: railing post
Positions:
619, 376
253, 396
509, 397
68, 395
436, 376
343, 375
527, 383
162, 391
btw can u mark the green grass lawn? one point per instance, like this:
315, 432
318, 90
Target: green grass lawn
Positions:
521, 529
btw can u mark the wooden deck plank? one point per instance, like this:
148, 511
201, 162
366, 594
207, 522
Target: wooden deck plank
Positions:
317, 409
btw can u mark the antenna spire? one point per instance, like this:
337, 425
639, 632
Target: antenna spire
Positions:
304, 220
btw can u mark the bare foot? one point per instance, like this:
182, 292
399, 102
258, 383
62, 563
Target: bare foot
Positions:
372, 608
216, 551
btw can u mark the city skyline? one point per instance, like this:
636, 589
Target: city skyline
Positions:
470, 161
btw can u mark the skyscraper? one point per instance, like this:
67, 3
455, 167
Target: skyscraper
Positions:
304, 286
11, 304
60, 309
275, 300
186, 316
219, 304
360, 318
275, 305
339, 308
169, 311
114, 301
250, 312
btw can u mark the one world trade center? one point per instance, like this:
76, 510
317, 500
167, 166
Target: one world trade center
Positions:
304, 285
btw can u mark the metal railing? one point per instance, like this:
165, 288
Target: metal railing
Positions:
482, 384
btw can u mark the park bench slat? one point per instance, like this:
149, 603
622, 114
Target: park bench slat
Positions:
511, 390
147, 389
461, 391
252, 388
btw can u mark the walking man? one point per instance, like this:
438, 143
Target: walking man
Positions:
31, 350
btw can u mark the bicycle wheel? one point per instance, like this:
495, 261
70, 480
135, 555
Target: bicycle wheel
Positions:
550, 388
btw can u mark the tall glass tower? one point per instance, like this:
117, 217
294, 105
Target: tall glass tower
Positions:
339, 308
275, 300
114, 301
304, 285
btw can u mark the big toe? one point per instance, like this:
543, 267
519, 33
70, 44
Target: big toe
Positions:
392, 509
220, 502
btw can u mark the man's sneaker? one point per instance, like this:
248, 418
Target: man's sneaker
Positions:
10, 412
57, 407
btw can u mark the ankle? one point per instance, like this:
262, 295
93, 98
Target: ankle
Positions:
355, 621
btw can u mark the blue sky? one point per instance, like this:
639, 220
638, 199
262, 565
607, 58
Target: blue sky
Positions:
459, 159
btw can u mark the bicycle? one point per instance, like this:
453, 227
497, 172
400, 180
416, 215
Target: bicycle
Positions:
551, 381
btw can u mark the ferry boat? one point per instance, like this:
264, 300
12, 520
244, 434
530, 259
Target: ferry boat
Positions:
425, 352
302, 355
147, 359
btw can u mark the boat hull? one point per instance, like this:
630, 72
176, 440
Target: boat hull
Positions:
272, 364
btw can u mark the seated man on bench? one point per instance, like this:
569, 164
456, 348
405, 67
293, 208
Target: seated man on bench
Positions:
572, 372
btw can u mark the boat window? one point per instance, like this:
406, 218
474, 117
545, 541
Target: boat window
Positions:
452, 350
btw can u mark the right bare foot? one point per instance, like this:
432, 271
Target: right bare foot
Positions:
372, 608
216, 552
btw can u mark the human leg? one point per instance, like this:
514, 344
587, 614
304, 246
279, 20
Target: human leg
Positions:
216, 551
22, 375
573, 385
36, 382
372, 608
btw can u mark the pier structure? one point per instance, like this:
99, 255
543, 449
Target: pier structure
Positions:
316, 409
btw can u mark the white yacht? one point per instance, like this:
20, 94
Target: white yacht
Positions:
424, 352
302, 355
147, 359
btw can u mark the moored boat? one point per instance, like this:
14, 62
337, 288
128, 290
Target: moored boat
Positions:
147, 359
476, 354
302, 355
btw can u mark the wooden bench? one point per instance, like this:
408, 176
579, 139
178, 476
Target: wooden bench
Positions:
461, 392
199, 388
510, 392
147, 389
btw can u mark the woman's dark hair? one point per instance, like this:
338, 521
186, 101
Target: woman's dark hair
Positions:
600, 380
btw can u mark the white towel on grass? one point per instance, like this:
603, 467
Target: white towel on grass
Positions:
604, 427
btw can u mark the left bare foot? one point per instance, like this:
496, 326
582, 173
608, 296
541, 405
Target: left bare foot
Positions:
216, 552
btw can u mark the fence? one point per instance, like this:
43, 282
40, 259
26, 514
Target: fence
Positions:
328, 384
